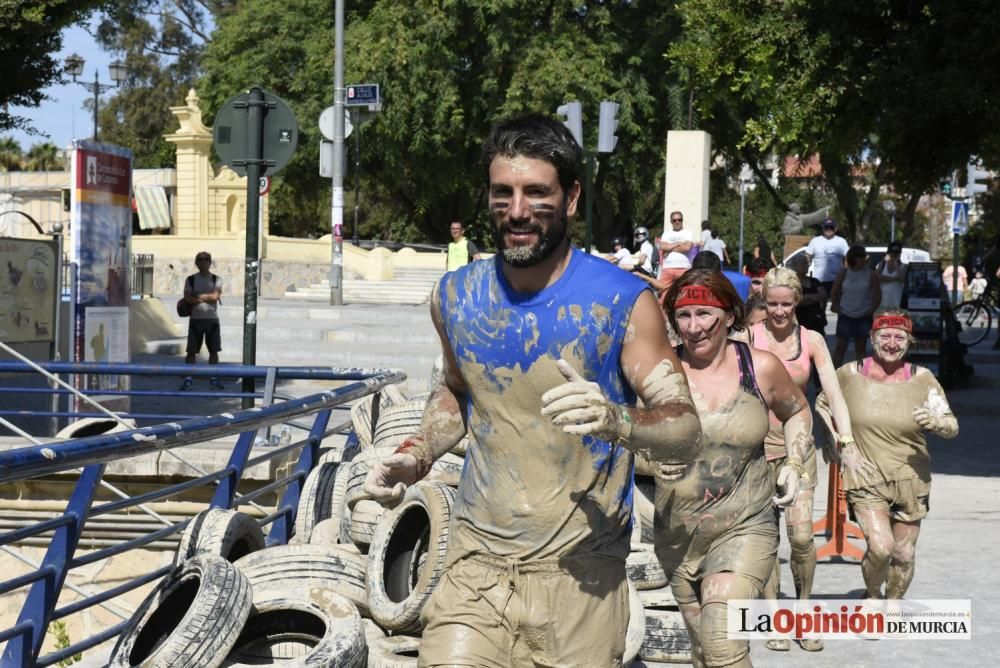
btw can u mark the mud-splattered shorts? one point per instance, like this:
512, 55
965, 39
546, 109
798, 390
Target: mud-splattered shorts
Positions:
488, 611
906, 500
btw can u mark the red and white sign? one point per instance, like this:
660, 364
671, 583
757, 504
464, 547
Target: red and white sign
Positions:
265, 185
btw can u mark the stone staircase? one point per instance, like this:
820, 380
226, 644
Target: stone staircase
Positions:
410, 286
295, 333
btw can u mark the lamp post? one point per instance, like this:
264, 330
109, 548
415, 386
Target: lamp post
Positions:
746, 183
117, 70
890, 208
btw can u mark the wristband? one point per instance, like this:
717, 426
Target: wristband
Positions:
797, 466
624, 426
845, 440
419, 450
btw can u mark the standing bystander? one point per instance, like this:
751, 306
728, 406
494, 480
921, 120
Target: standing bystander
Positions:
461, 251
675, 243
827, 252
203, 293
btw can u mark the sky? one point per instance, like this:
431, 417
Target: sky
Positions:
63, 117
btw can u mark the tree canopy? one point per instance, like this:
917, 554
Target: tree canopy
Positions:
886, 93
32, 36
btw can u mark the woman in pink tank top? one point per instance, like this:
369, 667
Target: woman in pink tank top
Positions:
799, 349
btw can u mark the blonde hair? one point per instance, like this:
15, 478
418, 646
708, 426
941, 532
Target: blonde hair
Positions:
780, 277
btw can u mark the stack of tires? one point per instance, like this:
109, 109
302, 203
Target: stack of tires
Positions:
349, 588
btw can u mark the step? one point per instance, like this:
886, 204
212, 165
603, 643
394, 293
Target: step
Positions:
233, 335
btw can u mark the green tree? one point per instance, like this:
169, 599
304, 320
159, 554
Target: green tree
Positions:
31, 36
886, 93
447, 71
44, 157
11, 154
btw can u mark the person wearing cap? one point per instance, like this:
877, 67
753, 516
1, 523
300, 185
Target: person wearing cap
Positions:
827, 252
892, 276
645, 253
891, 403
620, 255
716, 533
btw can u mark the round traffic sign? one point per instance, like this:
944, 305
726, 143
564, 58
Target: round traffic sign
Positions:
279, 133
326, 124
265, 185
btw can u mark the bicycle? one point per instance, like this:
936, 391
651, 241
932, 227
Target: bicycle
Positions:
975, 316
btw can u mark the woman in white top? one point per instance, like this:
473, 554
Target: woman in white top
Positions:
855, 296
892, 276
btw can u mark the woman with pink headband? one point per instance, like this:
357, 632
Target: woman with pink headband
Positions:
800, 350
715, 531
891, 404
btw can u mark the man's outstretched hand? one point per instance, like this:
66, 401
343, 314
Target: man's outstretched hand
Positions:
580, 407
387, 480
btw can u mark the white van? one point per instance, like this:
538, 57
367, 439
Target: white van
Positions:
875, 255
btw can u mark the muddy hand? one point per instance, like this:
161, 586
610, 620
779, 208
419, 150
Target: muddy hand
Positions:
671, 472
387, 480
924, 419
580, 407
855, 468
788, 486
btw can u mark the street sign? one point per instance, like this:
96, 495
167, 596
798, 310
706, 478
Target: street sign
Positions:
279, 138
326, 124
959, 217
362, 95
265, 185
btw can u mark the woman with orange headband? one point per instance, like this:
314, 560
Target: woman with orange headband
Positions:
800, 350
715, 530
891, 404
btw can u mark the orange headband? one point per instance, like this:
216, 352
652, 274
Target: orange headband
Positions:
893, 321
699, 295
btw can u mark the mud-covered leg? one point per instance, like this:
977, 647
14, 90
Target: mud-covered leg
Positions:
903, 561
798, 520
716, 590
772, 590
686, 594
878, 534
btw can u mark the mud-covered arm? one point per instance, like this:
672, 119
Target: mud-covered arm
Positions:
935, 414
443, 424
834, 397
666, 428
788, 404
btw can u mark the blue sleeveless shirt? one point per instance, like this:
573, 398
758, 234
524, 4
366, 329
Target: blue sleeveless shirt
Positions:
528, 490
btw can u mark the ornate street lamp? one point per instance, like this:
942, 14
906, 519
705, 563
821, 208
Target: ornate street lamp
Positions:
117, 70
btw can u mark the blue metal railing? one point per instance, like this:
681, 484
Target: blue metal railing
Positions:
45, 582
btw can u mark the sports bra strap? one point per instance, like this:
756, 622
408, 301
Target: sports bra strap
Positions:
748, 379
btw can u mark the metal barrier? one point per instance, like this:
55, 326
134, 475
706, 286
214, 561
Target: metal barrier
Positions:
45, 583
142, 274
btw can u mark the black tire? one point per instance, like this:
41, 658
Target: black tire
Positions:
406, 556
666, 636
398, 423
643, 568
361, 412
974, 321
303, 566
229, 534
300, 628
191, 619
318, 498
394, 652
364, 518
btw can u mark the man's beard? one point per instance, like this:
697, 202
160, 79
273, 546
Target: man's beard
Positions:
529, 256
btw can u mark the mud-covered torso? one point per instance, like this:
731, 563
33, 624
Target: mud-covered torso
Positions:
528, 490
728, 486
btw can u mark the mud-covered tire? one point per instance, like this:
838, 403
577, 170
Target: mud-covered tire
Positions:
658, 598
364, 519
406, 556
305, 626
318, 499
666, 636
229, 534
397, 423
644, 569
636, 629
304, 566
192, 618
394, 652
361, 412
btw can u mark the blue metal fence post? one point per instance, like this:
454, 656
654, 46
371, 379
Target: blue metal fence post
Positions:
44, 594
281, 529
226, 491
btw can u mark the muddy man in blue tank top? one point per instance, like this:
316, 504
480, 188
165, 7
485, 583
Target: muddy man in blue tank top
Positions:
546, 350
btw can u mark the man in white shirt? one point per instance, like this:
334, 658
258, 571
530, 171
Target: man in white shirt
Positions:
675, 244
644, 255
717, 246
826, 252
620, 254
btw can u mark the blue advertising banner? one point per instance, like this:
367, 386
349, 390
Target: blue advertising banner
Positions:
101, 226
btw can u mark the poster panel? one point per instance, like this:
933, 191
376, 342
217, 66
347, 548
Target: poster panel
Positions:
101, 226
27, 290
